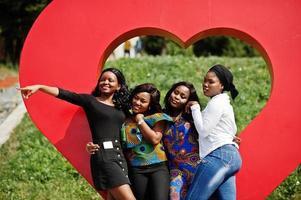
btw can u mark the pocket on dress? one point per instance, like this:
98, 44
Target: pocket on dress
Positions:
109, 155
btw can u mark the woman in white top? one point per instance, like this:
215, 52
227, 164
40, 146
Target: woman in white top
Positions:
217, 128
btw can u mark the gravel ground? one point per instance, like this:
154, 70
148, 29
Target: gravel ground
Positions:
9, 99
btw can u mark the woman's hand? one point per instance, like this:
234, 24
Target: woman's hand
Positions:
31, 89
154, 134
139, 118
28, 90
237, 140
91, 148
189, 104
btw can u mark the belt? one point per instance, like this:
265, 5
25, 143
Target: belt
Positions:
109, 144
151, 165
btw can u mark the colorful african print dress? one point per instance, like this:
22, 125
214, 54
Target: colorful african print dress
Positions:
180, 142
138, 151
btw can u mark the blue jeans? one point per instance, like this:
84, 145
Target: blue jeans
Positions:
216, 174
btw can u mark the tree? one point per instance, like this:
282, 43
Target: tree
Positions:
16, 18
153, 45
210, 46
223, 46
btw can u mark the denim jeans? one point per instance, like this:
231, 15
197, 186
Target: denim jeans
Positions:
216, 174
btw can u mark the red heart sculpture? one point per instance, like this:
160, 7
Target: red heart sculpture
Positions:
70, 41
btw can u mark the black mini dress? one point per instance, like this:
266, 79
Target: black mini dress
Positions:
108, 165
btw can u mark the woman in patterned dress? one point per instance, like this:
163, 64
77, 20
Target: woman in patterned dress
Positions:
180, 139
141, 134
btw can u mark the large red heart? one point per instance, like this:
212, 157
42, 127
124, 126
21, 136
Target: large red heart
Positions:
70, 41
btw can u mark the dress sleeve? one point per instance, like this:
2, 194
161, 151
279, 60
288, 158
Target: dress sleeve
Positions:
151, 120
72, 97
208, 119
131, 136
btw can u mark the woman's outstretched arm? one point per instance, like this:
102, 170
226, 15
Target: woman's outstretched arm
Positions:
71, 97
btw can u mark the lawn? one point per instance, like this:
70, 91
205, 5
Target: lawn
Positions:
31, 168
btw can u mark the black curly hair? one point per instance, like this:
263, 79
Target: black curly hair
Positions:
121, 97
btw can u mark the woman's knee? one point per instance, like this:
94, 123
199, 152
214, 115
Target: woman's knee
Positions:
122, 192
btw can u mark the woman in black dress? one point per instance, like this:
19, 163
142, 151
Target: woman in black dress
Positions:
105, 110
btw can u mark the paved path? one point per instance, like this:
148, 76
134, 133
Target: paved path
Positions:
12, 108
8, 81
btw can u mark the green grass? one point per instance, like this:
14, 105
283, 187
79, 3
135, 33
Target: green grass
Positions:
31, 168
289, 189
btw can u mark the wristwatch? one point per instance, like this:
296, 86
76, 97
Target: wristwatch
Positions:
140, 122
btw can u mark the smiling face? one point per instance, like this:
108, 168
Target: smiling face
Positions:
108, 83
212, 85
141, 102
179, 97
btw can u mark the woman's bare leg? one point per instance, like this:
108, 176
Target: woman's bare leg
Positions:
122, 192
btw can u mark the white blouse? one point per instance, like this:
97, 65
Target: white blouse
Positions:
215, 124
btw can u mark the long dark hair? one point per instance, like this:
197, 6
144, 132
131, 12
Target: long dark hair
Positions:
121, 96
192, 97
154, 104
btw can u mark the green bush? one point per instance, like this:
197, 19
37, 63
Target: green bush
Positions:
153, 45
238, 48
223, 46
211, 46
173, 49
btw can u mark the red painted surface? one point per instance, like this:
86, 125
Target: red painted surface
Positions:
71, 39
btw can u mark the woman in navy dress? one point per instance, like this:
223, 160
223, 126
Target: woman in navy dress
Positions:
180, 139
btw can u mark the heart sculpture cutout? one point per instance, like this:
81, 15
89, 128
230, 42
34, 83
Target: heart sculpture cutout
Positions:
70, 41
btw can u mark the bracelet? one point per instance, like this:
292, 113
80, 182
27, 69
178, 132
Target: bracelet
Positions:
140, 121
